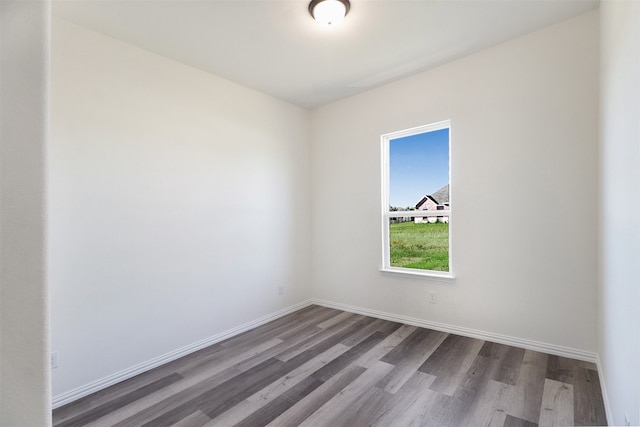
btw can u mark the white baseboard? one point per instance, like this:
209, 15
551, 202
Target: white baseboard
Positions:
131, 372
467, 332
605, 397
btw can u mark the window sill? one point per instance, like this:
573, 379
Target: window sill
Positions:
413, 273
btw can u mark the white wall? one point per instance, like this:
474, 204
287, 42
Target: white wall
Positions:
179, 203
525, 138
24, 314
620, 189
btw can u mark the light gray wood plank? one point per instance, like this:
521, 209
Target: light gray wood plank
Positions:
101, 397
529, 387
161, 399
191, 389
510, 365
509, 360
410, 406
219, 399
588, 403
304, 327
311, 403
340, 403
330, 341
120, 401
269, 393
384, 347
490, 407
341, 362
197, 419
512, 421
474, 398
217, 366
411, 358
297, 375
361, 409
470, 387
450, 362
73, 409
313, 341
269, 330
419, 337
335, 320
299, 333
366, 332
282, 403
560, 369
557, 404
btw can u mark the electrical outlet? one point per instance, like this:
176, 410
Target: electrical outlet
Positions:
280, 290
626, 420
54, 360
432, 298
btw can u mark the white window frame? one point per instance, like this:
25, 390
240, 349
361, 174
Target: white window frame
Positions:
387, 214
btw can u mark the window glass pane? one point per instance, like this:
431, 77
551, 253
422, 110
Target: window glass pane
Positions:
417, 244
419, 181
419, 171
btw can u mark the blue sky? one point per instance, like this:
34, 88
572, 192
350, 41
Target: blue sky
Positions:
418, 165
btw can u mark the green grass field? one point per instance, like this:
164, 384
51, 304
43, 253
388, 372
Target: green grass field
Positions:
424, 246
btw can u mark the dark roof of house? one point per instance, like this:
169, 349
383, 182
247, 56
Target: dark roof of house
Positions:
440, 197
424, 199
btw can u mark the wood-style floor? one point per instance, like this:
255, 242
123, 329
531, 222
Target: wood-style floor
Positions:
324, 367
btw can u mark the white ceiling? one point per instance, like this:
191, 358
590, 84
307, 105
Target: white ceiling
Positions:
274, 46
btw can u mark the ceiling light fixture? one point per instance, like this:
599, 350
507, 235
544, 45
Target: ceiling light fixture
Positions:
329, 12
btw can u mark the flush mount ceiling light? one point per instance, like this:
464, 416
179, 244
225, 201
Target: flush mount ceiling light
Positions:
329, 12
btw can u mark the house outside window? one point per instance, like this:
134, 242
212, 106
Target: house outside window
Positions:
416, 201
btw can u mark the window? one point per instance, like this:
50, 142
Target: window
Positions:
416, 201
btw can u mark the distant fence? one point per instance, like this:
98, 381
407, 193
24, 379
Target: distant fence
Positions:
396, 217
397, 220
